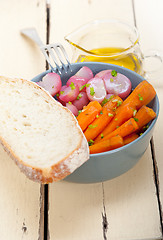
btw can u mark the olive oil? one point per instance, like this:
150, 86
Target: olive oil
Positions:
117, 56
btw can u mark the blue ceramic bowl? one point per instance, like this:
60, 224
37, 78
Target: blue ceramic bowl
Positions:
104, 166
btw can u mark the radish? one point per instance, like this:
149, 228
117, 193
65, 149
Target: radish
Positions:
117, 84
81, 101
72, 108
101, 74
51, 82
85, 73
81, 82
96, 90
69, 93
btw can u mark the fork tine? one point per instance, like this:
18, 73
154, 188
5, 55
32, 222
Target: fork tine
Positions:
48, 48
60, 57
46, 57
65, 55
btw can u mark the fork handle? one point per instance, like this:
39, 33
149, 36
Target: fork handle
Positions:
32, 34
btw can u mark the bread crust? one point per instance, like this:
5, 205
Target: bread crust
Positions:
62, 168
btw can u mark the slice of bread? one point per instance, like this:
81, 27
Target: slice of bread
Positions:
41, 135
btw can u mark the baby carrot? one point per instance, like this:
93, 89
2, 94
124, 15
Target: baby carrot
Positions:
141, 95
109, 144
113, 103
99, 124
88, 114
144, 116
130, 138
125, 129
122, 116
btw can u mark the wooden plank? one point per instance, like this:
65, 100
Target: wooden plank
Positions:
20, 198
152, 38
117, 209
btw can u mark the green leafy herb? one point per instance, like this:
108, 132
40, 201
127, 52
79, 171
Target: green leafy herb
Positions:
116, 119
57, 94
111, 80
101, 112
102, 135
136, 119
110, 114
79, 112
104, 101
82, 87
87, 84
92, 126
119, 103
140, 97
61, 92
111, 97
114, 73
91, 142
72, 85
79, 96
92, 92
134, 112
70, 102
97, 116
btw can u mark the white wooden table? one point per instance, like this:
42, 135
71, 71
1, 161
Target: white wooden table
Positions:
126, 208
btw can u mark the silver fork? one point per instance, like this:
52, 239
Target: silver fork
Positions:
54, 52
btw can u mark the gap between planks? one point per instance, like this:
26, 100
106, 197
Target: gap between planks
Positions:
44, 189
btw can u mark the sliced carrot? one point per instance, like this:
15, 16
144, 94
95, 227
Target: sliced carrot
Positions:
141, 95
144, 116
130, 138
109, 144
125, 129
113, 103
122, 116
97, 126
88, 114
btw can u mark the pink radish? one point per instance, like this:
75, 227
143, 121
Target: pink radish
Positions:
69, 93
51, 82
101, 74
85, 73
81, 82
72, 108
96, 90
117, 84
81, 101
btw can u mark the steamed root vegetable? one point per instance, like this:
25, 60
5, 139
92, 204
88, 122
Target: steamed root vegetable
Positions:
144, 116
100, 122
88, 114
96, 90
102, 73
112, 103
122, 116
69, 93
51, 82
81, 100
125, 129
72, 108
107, 145
117, 84
85, 73
81, 82
130, 138
141, 95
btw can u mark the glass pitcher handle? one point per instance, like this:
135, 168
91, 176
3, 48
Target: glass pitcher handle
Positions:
153, 67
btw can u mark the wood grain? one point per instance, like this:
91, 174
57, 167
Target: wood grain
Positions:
20, 198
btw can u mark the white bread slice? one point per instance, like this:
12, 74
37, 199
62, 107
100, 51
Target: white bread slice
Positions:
41, 135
